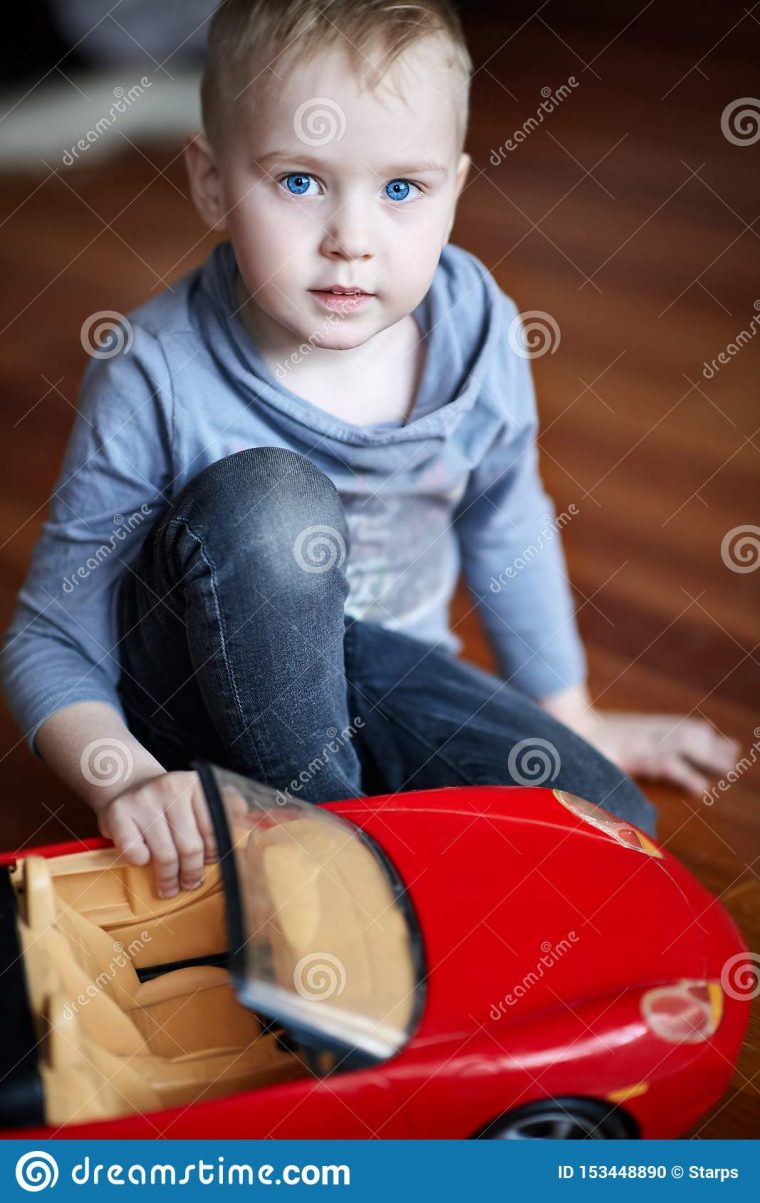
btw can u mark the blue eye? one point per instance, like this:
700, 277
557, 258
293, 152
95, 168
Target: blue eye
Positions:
398, 190
298, 184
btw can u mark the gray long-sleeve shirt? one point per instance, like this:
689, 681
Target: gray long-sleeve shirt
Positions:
455, 486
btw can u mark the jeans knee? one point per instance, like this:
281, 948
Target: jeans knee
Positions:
262, 487
257, 473
272, 503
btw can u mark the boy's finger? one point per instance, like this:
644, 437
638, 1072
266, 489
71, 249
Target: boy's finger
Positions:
203, 819
728, 751
164, 856
682, 773
128, 838
707, 748
189, 844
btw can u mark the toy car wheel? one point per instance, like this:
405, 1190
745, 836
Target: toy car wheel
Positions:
561, 1119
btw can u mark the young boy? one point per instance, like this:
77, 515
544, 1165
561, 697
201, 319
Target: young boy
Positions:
270, 490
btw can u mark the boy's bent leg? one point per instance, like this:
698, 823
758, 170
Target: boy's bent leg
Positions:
431, 720
231, 624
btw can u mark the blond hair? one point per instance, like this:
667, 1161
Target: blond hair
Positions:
243, 34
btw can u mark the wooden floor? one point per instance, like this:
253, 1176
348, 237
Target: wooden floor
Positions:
628, 217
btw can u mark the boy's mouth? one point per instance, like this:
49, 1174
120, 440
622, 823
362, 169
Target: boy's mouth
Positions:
345, 300
342, 291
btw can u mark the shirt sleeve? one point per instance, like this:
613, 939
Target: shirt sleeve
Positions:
62, 644
510, 542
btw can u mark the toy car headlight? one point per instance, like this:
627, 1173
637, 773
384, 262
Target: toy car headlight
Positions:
685, 1013
620, 831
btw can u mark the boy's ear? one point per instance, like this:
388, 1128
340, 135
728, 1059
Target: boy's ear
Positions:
205, 181
463, 169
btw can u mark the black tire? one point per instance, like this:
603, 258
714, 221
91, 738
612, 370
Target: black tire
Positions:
561, 1119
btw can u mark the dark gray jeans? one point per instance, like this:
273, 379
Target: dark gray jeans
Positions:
235, 647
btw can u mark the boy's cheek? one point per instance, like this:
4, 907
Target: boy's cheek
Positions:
263, 221
265, 252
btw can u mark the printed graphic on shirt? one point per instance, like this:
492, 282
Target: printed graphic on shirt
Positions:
402, 556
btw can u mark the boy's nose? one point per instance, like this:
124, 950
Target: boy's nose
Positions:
346, 246
346, 237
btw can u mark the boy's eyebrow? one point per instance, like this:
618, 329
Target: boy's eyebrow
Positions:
308, 161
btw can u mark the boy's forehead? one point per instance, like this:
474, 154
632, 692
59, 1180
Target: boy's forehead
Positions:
326, 104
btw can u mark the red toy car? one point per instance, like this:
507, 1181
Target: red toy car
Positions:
502, 962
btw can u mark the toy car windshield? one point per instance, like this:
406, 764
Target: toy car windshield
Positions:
322, 935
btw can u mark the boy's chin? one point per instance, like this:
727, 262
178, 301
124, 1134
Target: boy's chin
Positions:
344, 338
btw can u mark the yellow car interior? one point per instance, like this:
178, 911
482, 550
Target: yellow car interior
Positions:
111, 1044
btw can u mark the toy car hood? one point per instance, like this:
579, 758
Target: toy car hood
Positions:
531, 900
362, 923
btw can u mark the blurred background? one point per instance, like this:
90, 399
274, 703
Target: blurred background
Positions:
627, 217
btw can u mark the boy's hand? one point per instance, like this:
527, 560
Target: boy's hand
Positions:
684, 751
164, 820
668, 747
